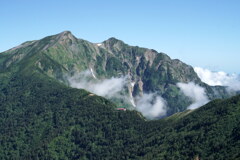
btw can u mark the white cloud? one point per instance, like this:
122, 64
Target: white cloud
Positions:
232, 81
151, 105
107, 87
195, 92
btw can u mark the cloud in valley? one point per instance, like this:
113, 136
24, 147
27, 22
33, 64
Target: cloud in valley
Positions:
232, 81
195, 92
151, 105
107, 87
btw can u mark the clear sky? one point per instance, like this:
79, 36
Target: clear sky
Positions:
204, 33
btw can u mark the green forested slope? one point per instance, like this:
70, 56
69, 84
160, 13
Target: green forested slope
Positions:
210, 132
37, 114
43, 119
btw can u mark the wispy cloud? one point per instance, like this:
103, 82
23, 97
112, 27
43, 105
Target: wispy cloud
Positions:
107, 87
232, 81
151, 105
195, 92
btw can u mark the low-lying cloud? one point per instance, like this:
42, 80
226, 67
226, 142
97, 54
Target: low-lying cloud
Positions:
151, 105
107, 87
195, 92
232, 81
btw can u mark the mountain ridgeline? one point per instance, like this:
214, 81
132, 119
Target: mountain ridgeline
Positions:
41, 117
63, 55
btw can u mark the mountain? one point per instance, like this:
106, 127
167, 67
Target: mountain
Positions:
148, 72
42, 118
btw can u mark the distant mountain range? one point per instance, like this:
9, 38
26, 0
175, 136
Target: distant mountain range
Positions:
43, 117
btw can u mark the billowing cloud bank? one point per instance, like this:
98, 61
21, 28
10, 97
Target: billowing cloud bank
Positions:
195, 92
151, 105
232, 81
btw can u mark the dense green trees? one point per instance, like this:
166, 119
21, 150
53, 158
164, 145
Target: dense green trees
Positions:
43, 119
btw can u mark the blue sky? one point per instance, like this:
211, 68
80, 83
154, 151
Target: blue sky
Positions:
204, 33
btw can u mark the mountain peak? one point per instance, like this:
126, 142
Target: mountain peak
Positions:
65, 33
65, 36
113, 40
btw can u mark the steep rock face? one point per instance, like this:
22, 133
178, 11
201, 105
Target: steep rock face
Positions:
147, 70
